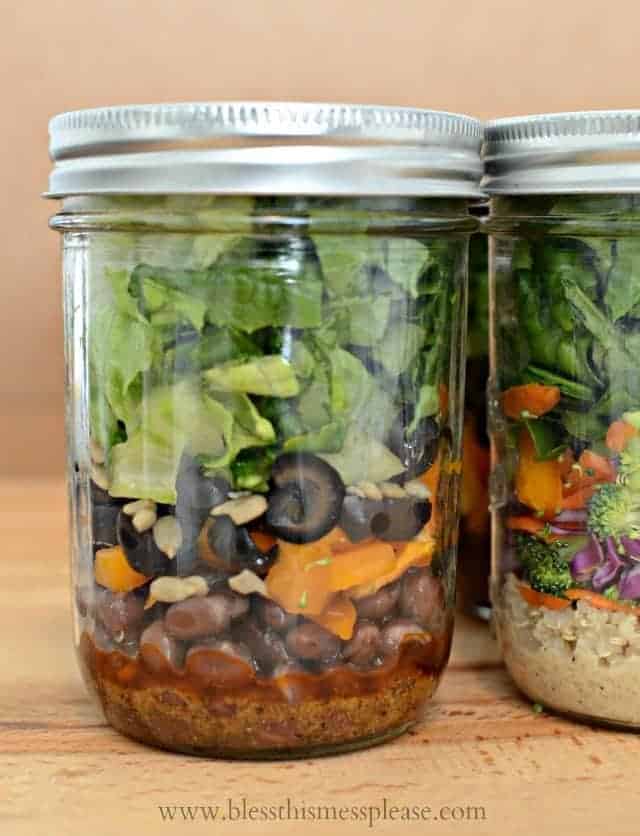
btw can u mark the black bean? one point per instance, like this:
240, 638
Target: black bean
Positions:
287, 669
84, 601
223, 664
267, 646
159, 651
311, 642
364, 646
380, 604
396, 632
273, 615
199, 617
422, 599
120, 613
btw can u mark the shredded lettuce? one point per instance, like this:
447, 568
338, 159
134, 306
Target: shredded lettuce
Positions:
235, 346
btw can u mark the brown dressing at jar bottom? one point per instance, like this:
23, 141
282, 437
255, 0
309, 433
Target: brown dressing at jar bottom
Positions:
414, 659
214, 711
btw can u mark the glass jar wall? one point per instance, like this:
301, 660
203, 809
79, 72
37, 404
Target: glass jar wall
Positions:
475, 523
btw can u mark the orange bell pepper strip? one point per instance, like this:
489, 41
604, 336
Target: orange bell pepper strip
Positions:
338, 617
474, 494
361, 564
263, 540
305, 577
112, 570
538, 483
300, 580
418, 552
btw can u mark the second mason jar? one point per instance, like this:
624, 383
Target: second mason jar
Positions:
565, 408
265, 310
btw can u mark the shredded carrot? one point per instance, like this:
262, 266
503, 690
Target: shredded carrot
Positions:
532, 525
600, 601
542, 599
600, 466
553, 602
582, 479
529, 401
618, 434
578, 499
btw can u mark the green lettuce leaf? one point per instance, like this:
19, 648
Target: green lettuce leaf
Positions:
399, 347
166, 306
349, 262
362, 457
183, 418
267, 375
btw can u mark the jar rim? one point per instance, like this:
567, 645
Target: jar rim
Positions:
265, 148
581, 152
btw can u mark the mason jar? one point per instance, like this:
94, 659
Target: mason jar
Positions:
265, 327
565, 408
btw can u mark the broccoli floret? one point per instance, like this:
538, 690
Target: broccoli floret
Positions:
629, 470
614, 511
544, 565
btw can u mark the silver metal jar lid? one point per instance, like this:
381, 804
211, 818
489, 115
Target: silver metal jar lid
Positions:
592, 152
265, 148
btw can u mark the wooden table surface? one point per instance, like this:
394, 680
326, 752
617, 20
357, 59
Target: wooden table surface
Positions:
64, 772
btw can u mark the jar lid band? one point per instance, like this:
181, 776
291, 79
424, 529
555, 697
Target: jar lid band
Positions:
265, 148
591, 152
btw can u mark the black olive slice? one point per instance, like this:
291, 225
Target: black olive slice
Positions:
307, 498
230, 548
195, 490
387, 519
417, 450
141, 550
104, 522
196, 496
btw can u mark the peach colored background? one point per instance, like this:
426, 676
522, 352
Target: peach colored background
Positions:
487, 58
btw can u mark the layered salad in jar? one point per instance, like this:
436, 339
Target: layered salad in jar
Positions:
567, 432
269, 568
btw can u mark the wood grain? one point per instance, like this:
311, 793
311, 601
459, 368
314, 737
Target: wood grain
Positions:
64, 772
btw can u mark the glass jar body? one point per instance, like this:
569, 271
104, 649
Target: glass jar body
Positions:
264, 419
475, 525
564, 396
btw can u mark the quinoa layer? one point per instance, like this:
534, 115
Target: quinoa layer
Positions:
583, 660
